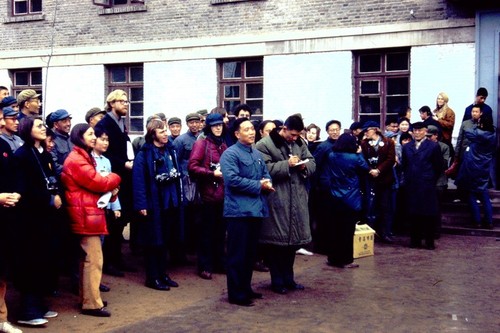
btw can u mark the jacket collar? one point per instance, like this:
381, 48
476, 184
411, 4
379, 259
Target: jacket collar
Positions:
279, 141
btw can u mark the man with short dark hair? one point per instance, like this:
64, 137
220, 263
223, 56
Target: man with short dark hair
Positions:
4, 92
426, 116
61, 125
242, 111
287, 229
9, 130
481, 96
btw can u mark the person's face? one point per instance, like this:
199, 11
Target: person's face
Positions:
370, 133
38, 131
475, 113
194, 126
246, 133
95, 119
102, 144
357, 131
89, 138
480, 99
334, 131
15, 107
202, 123
290, 135
433, 138
120, 106
267, 129
440, 101
63, 126
161, 136
217, 129
420, 133
423, 115
393, 127
175, 129
4, 93
404, 126
225, 119
33, 105
244, 114
11, 124
312, 134
49, 144
2, 121
408, 114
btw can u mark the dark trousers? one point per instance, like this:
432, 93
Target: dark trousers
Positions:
280, 260
422, 227
341, 233
212, 236
155, 261
112, 246
242, 237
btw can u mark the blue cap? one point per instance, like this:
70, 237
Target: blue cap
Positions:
59, 115
370, 124
214, 119
8, 101
9, 112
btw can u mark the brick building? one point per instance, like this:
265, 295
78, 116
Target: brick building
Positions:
348, 60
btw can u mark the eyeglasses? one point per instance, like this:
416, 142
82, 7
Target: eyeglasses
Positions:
121, 101
40, 126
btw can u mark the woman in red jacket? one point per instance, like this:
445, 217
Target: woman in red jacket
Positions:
84, 186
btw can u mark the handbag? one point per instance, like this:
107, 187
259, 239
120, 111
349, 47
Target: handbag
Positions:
452, 171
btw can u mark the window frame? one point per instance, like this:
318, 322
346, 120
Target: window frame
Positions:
38, 86
127, 86
110, 3
28, 8
382, 76
242, 82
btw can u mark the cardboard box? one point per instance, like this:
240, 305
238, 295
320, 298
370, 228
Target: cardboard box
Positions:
364, 237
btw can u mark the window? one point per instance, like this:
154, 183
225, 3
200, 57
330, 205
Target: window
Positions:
130, 79
24, 7
382, 84
27, 79
111, 3
242, 81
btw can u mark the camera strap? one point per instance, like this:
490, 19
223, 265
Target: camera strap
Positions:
39, 164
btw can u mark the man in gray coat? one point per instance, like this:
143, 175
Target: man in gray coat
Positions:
287, 229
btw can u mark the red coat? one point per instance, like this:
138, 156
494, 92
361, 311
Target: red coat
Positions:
83, 188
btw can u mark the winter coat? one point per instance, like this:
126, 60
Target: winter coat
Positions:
243, 168
84, 186
422, 168
386, 154
446, 119
205, 156
288, 222
152, 196
474, 172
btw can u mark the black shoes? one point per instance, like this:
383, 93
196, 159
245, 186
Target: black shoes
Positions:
254, 295
169, 282
242, 302
259, 266
102, 312
279, 290
103, 288
295, 286
157, 285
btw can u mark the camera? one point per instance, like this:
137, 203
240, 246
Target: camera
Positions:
372, 161
214, 166
166, 178
51, 183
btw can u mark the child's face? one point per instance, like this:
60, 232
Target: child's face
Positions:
102, 144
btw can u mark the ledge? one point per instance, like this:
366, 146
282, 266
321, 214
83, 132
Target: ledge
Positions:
221, 2
123, 10
24, 18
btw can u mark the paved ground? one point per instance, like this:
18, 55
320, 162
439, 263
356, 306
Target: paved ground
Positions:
455, 288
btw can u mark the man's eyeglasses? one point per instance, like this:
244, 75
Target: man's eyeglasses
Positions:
121, 101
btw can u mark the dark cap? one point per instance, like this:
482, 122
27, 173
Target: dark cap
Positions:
93, 112
419, 125
370, 124
214, 119
203, 112
356, 125
161, 115
432, 130
59, 115
26, 94
174, 120
9, 112
8, 101
193, 116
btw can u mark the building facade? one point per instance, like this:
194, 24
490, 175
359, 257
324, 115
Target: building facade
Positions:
327, 59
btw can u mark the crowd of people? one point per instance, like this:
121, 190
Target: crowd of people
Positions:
240, 194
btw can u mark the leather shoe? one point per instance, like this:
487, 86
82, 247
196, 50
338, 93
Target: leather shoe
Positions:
351, 265
102, 312
157, 285
205, 275
169, 282
113, 271
254, 295
279, 290
103, 288
295, 286
242, 302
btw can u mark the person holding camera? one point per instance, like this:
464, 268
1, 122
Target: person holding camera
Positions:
205, 168
34, 262
156, 181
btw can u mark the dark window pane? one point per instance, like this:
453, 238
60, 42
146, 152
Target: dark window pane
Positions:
136, 125
21, 79
369, 104
256, 106
21, 7
255, 90
397, 61
397, 86
254, 68
230, 105
136, 74
369, 63
396, 104
36, 6
365, 118
120, 2
231, 70
36, 77
232, 92
136, 109
119, 74
370, 87
136, 94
